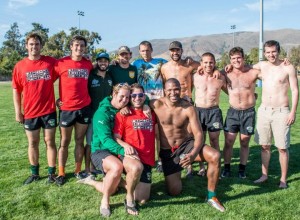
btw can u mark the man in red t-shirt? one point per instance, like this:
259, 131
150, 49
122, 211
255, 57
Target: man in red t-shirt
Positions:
136, 133
73, 72
33, 85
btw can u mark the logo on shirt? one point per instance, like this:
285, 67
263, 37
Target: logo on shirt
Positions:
38, 75
95, 82
131, 74
142, 124
110, 82
78, 73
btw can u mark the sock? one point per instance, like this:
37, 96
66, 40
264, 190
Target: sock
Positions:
51, 170
242, 167
227, 166
34, 169
77, 167
61, 171
211, 194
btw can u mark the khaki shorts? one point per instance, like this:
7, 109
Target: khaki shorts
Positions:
272, 122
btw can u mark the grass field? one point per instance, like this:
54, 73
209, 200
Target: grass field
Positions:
242, 199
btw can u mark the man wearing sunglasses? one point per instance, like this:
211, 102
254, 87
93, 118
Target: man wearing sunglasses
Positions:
136, 133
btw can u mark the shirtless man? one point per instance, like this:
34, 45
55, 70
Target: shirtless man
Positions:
207, 94
274, 115
241, 114
179, 69
179, 147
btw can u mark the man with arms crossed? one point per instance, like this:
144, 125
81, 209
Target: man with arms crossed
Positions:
73, 72
241, 114
274, 115
207, 94
179, 146
137, 131
33, 85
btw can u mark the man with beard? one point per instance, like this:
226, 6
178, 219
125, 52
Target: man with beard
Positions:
180, 69
182, 142
123, 71
274, 115
99, 86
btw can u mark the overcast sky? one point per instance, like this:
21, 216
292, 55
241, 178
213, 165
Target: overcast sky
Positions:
127, 22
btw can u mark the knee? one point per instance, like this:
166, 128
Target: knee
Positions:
283, 151
265, 148
136, 169
33, 144
174, 190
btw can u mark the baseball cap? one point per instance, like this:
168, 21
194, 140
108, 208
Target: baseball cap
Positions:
124, 49
175, 45
102, 55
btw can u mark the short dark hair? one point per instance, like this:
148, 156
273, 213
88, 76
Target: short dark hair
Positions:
172, 80
208, 54
146, 43
136, 86
78, 38
271, 43
236, 50
35, 36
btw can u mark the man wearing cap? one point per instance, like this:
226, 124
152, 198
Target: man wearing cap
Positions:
99, 86
179, 69
123, 71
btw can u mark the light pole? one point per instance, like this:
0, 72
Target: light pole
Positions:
261, 37
80, 13
233, 27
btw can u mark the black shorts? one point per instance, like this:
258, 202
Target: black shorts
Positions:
46, 121
98, 157
242, 121
170, 160
211, 119
69, 118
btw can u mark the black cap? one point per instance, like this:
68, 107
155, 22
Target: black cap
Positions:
175, 45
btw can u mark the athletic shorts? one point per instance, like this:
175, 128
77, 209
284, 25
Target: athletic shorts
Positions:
98, 157
242, 121
170, 160
69, 118
46, 121
211, 119
89, 134
272, 122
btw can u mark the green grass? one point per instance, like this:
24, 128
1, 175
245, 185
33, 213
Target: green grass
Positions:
242, 199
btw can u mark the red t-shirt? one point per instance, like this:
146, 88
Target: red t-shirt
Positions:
34, 79
138, 131
73, 82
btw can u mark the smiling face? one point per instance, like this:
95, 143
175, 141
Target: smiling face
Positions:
271, 53
137, 98
208, 64
237, 60
33, 47
124, 58
77, 48
176, 54
102, 64
120, 98
172, 91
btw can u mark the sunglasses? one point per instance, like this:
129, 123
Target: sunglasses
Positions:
134, 95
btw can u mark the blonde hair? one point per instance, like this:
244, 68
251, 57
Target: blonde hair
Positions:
119, 86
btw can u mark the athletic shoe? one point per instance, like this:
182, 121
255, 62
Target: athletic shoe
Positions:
86, 180
242, 175
60, 180
225, 173
31, 179
81, 175
214, 202
51, 178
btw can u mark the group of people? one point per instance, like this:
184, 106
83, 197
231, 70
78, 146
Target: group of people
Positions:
126, 110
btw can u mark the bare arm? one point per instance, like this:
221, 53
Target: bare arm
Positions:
17, 104
129, 150
295, 95
198, 136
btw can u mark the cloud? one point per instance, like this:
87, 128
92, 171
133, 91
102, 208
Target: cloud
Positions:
270, 5
15, 4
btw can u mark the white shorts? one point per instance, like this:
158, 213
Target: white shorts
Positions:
272, 122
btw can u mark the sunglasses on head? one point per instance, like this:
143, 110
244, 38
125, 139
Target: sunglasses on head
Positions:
134, 95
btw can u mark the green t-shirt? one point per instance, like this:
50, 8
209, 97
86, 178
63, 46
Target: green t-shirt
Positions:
122, 75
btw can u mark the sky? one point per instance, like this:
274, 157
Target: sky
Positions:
128, 22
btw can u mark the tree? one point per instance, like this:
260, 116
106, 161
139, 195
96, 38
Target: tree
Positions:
42, 31
13, 40
56, 45
224, 60
294, 57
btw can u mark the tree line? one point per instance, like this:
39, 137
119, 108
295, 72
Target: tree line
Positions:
13, 48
